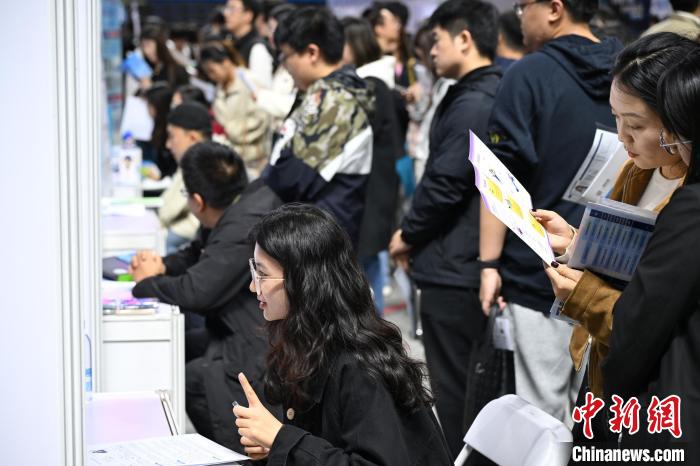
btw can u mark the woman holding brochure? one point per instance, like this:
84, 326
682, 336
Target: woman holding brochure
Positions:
350, 393
647, 180
655, 338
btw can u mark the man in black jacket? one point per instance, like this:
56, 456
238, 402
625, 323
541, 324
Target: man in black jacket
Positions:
240, 21
440, 232
211, 277
543, 124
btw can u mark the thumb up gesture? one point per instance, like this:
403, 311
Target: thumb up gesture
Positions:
256, 425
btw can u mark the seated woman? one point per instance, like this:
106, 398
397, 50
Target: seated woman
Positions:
351, 395
656, 319
647, 180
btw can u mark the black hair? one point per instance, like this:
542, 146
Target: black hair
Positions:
685, 5
281, 11
476, 16
509, 27
192, 93
639, 66
330, 311
254, 6
581, 11
159, 96
268, 6
158, 35
218, 52
399, 10
215, 172
360, 38
312, 25
679, 100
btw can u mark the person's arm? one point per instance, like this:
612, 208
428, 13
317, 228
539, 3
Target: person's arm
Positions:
492, 234
370, 427
174, 203
591, 304
332, 137
221, 272
663, 292
445, 186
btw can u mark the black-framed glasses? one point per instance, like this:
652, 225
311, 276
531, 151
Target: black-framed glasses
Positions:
518, 8
669, 146
184, 192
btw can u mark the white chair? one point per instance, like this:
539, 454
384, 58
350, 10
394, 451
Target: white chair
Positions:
511, 432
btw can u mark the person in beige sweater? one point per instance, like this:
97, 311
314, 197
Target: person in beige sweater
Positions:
246, 124
188, 124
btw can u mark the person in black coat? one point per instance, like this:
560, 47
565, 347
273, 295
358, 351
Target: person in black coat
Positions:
382, 194
441, 231
210, 277
656, 320
350, 393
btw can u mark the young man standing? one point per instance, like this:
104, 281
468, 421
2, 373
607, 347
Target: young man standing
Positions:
542, 126
440, 232
240, 20
323, 151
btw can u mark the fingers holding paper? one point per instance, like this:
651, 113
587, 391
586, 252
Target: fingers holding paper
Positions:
559, 232
564, 279
255, 423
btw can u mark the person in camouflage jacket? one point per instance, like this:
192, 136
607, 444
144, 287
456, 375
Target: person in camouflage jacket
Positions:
322, 153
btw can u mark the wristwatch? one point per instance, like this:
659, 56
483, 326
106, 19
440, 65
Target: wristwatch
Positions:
492, 264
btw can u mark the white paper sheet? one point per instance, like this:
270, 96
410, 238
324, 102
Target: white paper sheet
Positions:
601, 157
507, 199
178, 450
136, 119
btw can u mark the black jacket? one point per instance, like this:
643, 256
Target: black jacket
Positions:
353, 421
542, 126
655, 342
443, 223
211, 276
382, 194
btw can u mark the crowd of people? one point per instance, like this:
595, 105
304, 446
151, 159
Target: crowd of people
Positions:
285, 130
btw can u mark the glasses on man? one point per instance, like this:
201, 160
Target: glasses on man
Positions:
184, 192
669, 146
518, 8
257, 279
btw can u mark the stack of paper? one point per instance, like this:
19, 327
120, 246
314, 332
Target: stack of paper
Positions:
177, 450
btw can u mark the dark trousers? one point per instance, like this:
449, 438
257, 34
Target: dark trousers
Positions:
452, 321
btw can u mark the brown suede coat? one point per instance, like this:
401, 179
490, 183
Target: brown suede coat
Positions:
591, 302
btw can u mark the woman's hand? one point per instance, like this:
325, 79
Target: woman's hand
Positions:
255, 423
558, 230
255, 451
564, 279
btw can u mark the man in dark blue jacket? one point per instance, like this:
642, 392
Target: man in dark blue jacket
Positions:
440, 232
543, 123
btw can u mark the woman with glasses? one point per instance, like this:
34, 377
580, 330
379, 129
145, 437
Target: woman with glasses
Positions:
350, 393
647, 180
653, 289
656, 332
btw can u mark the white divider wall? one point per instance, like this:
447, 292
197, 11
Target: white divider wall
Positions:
49, 280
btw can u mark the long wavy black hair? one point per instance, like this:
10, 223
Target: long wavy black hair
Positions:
330, 312
679, 97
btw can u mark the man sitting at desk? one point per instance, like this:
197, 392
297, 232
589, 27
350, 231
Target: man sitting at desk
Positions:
211, 277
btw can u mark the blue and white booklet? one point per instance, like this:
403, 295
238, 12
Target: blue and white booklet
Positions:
610, 241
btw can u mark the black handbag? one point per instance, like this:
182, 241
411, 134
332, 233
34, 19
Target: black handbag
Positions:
491, 372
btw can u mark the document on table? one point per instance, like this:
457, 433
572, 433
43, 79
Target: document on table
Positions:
177, 450
506, 198
597, 174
